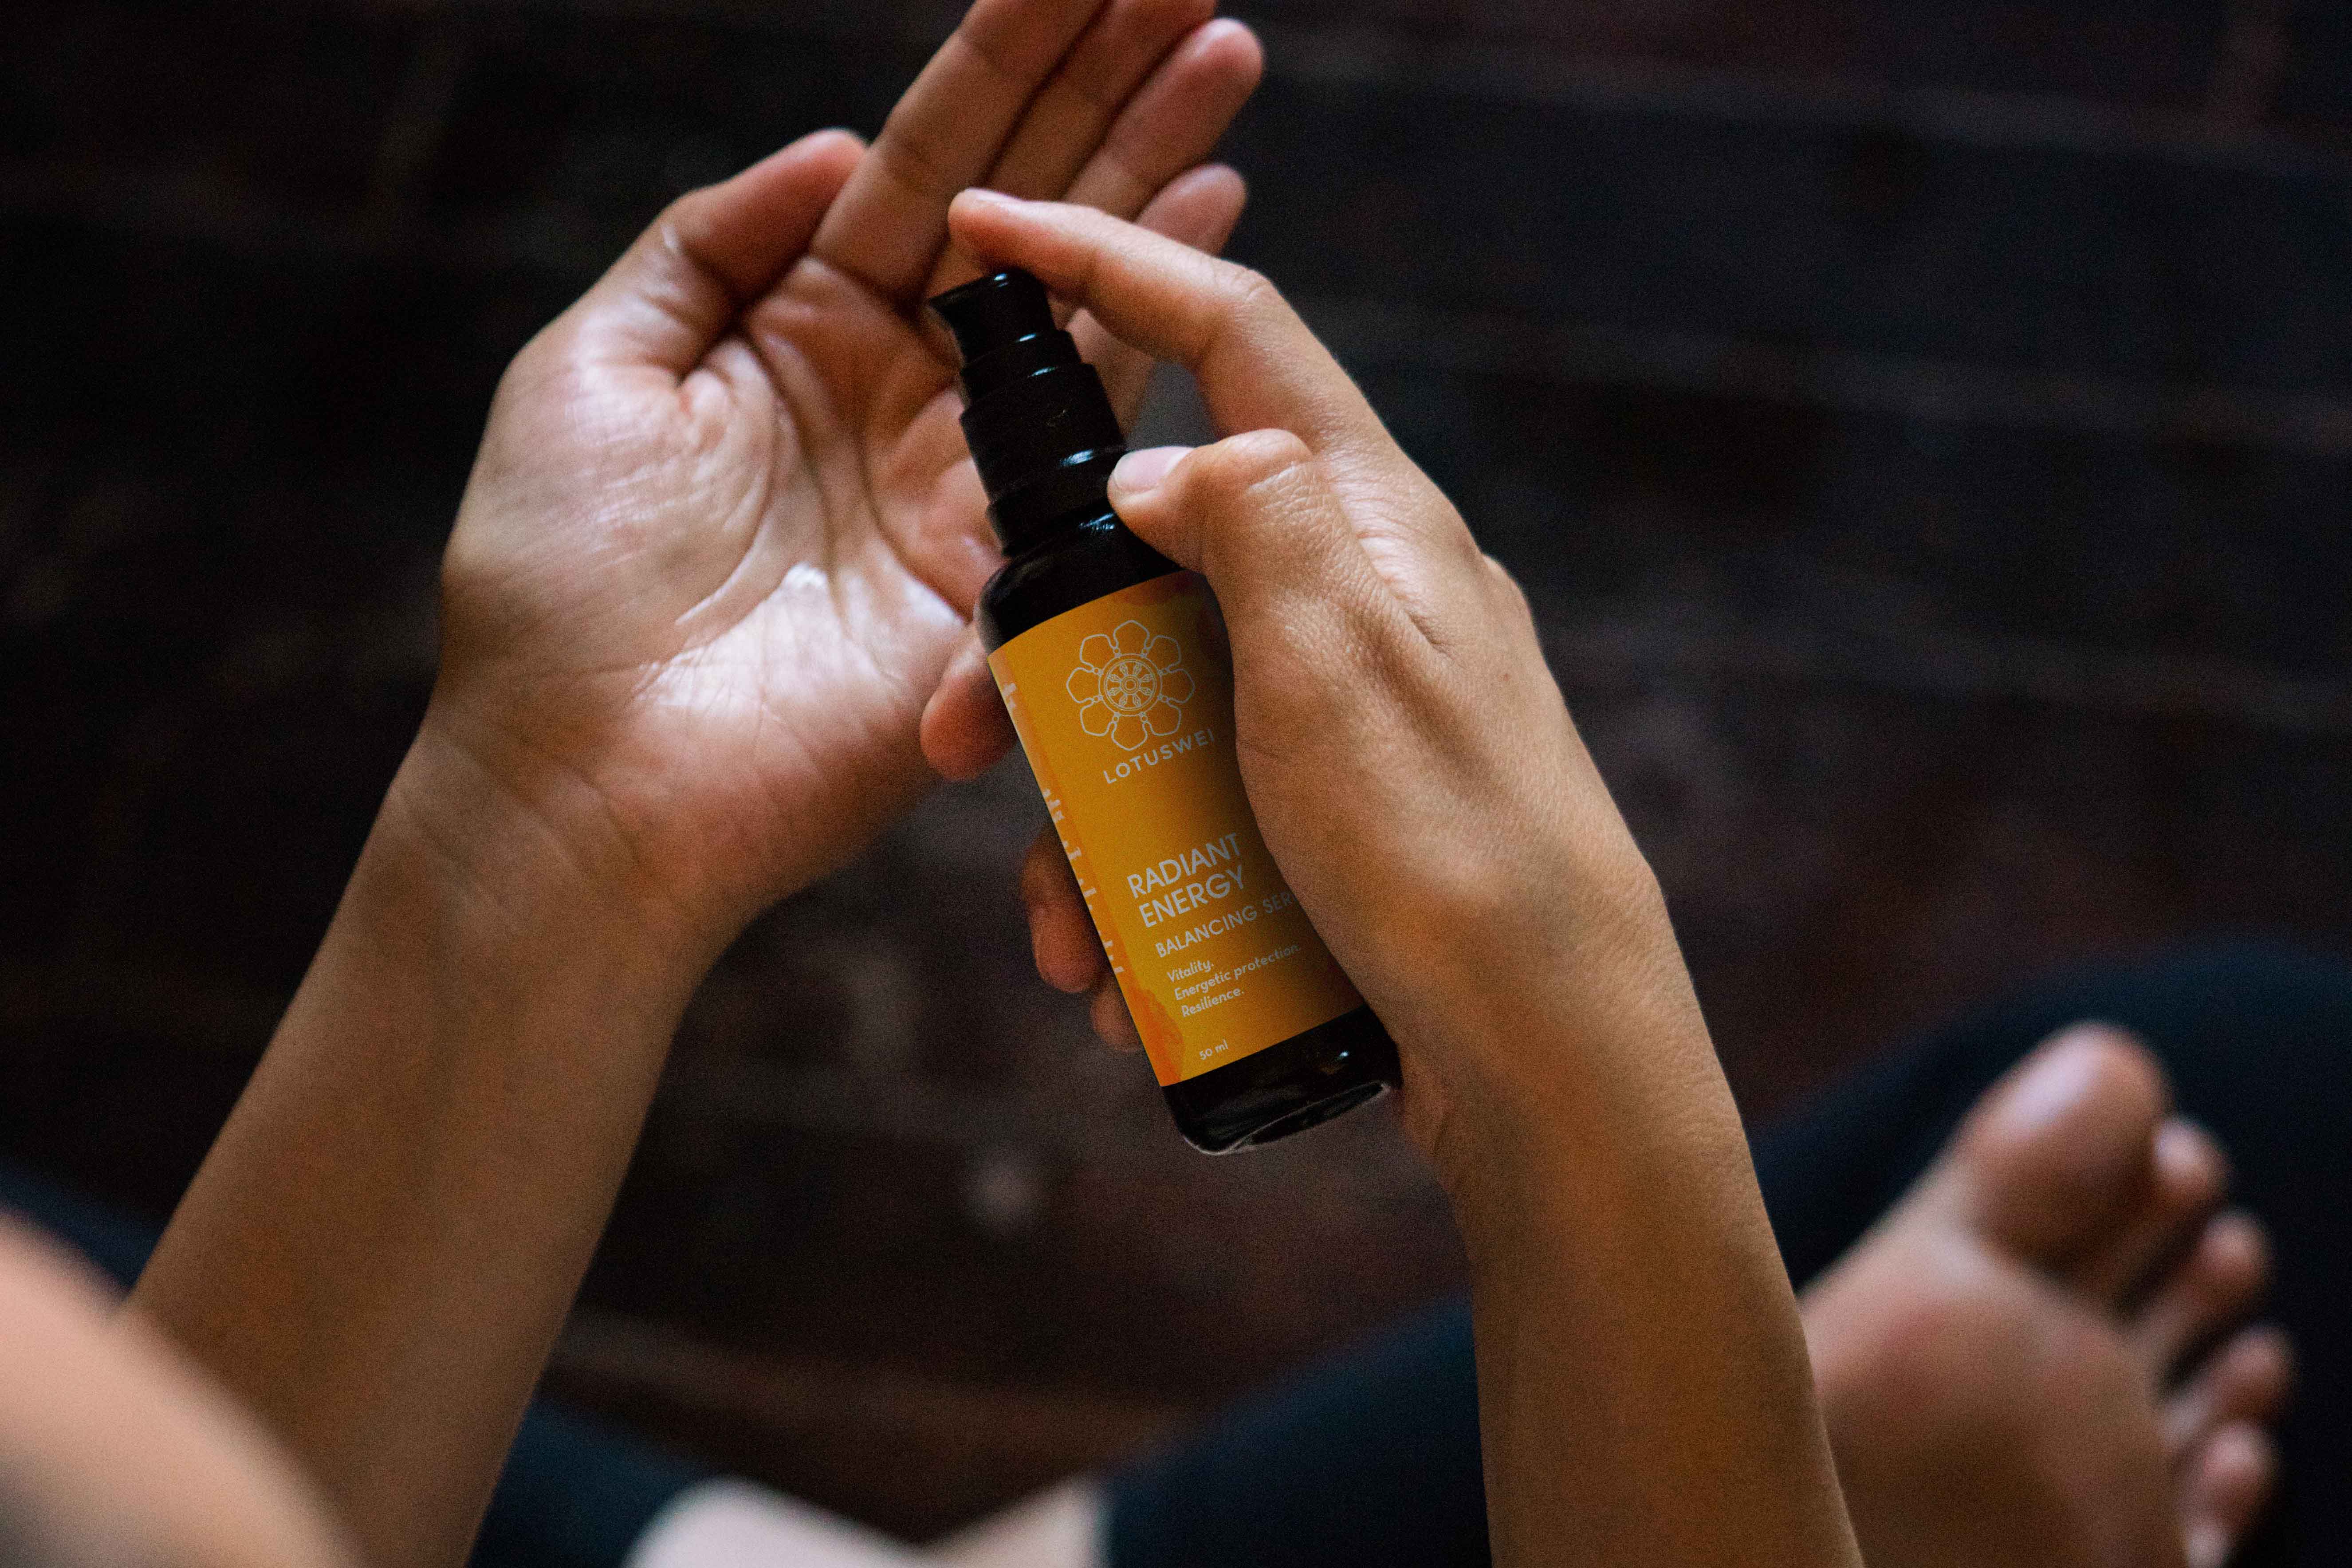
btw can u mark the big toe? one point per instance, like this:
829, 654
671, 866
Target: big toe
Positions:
2060, 1155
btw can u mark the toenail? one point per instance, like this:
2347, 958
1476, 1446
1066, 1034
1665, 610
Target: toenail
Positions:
2237, 1237
2097, 1030
2233, 1255
2228, 1484
2239, 1461
2264, 1358
2190, 1163
2060, 1078
2277, 1347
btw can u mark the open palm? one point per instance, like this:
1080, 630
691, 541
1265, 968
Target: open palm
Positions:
723, 535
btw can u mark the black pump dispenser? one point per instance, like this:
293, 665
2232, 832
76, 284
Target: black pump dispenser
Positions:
1038, 422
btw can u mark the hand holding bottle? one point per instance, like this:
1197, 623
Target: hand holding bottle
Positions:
1406, 750
1643, 1388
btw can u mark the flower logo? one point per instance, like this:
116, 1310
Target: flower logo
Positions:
1130, 684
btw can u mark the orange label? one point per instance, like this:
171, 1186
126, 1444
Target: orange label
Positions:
1125, 706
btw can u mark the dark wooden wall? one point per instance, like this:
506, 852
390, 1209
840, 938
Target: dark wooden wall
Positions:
1923, 430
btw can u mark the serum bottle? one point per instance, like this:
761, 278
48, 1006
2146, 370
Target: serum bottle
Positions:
1114, 666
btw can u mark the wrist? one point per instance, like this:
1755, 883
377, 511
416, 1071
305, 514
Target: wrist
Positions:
533, 870
1580, 1070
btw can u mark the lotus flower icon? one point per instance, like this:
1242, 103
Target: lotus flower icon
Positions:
1130, 684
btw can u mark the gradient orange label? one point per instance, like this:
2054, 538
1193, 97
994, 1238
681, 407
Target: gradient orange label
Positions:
1124, 707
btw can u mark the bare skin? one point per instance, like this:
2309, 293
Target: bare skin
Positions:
721, 541
1988, 1400
2037, 1358
691, 615
716, 555
114, 1450
1416, 774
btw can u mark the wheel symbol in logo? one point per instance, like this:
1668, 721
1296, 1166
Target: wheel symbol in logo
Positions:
1130, 684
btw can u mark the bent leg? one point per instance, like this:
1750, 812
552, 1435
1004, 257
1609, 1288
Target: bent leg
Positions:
1371, 1458
574, 1493
2258, 1043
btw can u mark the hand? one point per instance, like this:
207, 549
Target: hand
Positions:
1416, 775
723, 533
1391, 692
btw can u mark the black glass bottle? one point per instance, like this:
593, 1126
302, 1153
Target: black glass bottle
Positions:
1044, 438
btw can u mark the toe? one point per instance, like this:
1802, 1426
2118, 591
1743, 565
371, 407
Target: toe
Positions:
2214, 1287
2224, 1492
2187, 1177
2062, 1150
2247, 1379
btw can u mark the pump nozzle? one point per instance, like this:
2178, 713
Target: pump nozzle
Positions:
1036, 416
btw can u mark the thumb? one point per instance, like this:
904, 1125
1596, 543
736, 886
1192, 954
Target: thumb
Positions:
710, 254
1257, 515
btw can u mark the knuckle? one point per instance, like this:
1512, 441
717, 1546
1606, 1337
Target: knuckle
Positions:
1249, 293
1508, 586
1231, 303
913, 160
1229, 471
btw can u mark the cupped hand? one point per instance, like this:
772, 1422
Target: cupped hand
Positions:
1404, 746
723, 535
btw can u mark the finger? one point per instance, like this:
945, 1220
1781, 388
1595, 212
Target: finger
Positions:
965, 729
1200, 209
1120, 142
1067, 120
2228, 1485
1257, 515
2246, 1379
1113, 1023
679, 288
890, 222
1066, 126
1060, 933
1175, 121
1258, 365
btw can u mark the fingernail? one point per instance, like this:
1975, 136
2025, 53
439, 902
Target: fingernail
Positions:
992, 198
2206, 1545
1140, 471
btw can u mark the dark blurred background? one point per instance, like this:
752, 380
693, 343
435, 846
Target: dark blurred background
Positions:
1923, 430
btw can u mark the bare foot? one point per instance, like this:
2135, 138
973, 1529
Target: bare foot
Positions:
2031, 1359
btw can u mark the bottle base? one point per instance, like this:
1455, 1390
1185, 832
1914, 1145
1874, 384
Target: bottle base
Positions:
1303, 1082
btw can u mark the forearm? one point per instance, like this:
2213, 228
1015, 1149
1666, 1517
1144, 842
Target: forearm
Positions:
382, 1245
1644, 1394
